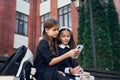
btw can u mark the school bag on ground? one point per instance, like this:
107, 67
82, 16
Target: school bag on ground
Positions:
19, 64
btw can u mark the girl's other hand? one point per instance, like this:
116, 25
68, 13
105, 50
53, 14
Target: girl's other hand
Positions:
61, 73
76, 70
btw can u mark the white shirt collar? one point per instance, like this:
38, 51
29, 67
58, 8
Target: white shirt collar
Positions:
63, 46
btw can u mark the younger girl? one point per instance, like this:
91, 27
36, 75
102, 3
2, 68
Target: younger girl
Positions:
66, 43
47, 57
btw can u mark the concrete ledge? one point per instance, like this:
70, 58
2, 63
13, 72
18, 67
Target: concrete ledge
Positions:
8, 78
3, 59
103, 74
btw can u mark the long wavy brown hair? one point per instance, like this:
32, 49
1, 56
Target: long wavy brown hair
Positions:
49, 23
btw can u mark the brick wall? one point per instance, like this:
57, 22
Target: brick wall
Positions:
74, 21
117, 5
7, 24
53, 9
1, 23
34, 25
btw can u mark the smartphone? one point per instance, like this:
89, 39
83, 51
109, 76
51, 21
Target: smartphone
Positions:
79, 47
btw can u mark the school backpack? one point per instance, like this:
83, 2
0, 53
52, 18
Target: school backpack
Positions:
19, 64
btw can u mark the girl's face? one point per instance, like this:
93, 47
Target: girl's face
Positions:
64, 37
53, 32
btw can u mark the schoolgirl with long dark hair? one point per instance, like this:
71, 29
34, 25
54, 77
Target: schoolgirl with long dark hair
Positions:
47, 56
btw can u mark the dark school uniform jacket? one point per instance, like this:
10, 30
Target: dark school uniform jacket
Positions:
68, 62
43, 57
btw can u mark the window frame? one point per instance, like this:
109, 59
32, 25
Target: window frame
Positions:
64, 14
21, 21
42, 19
27, 1
42, 1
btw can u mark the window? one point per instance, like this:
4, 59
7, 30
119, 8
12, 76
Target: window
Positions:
65, 16
42, 19
42, 1
26, 1
21, 24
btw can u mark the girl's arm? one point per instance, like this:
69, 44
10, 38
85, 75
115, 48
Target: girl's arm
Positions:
44, 50
72, 53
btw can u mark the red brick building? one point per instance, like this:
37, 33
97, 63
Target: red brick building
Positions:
21, 21
7, 25
117, 5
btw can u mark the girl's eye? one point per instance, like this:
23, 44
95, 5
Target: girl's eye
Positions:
55, 30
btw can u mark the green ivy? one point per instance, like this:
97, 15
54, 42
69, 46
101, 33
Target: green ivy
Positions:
107, 36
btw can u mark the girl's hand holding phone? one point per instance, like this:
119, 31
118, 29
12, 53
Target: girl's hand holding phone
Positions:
73, 53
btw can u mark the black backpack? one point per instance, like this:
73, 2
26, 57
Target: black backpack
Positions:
25, 73
19, 64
